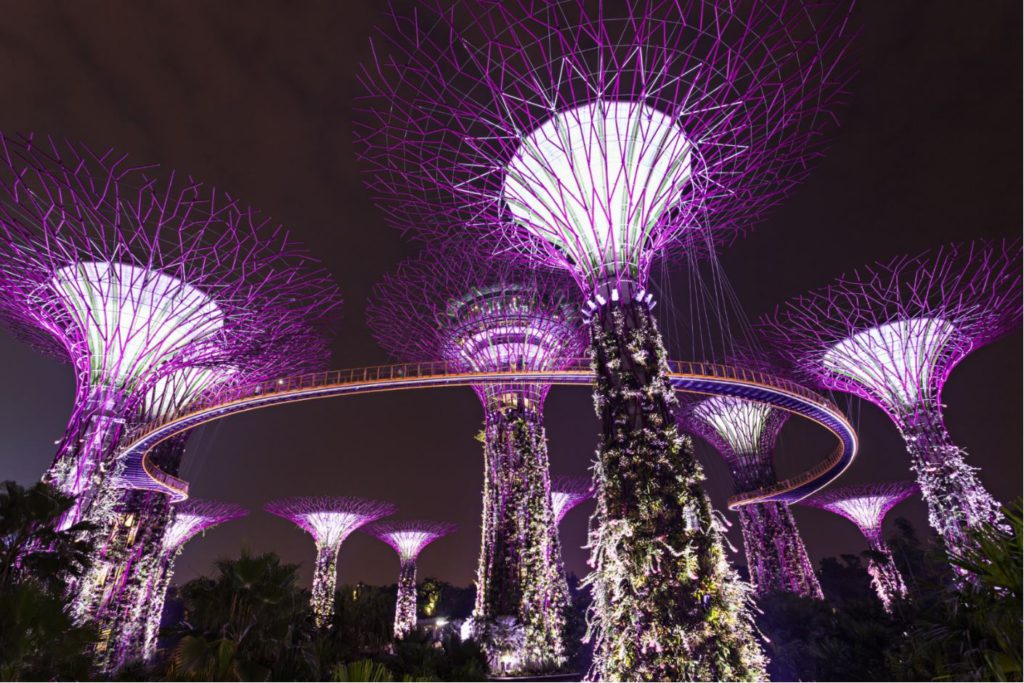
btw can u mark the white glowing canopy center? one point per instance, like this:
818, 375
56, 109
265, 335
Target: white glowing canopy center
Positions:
864, 511
895, 361
410, 543
177, 389
330, 528
739, 422
183, 527
134, 319
595, 182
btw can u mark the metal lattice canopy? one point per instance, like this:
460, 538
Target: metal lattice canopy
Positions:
593, 138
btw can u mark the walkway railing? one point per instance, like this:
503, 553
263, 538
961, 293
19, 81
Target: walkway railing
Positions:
712, 378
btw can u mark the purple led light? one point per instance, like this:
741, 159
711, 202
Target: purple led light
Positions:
891, 333
866, 506
329, 520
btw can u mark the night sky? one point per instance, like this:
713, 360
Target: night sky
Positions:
257, 98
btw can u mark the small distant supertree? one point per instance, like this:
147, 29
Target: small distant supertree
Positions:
597, 138
745, 433
866, 506
130, 274
188, 519
408, 539
567, 492
891, 334
481, 315
329, 520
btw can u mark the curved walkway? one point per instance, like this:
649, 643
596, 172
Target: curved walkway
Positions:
702, 378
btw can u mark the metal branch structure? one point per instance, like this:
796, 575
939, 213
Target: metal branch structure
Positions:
408, 540
483, 315
745, 433
187, 519
597, 140
891, 334
866, 506
329, 520
130, 274
567, 492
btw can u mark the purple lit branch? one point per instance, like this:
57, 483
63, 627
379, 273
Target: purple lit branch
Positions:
192, 516
131, 275
329, 520
891, 334
478, 315
567, 492
594, 139
866, 506
408, 539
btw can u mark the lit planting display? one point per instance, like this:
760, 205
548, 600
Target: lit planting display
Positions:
598, 140
408, 539
866, 506
329, 520
744, 433
891, 333
485, 316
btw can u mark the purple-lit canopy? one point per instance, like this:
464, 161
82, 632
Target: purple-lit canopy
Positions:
329, 519
891, 333
865, 506
409, 538
132, 274
567, 492
478, 314
596, 139
193, 516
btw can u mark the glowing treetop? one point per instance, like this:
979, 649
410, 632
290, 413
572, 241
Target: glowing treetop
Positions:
129, 273
743, 432
865, 506
410, 538
891, 333
478, 315
567, 492
330, 519
193, 516
596, 139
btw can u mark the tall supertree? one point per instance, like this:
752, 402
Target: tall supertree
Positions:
745, 433
188, 519
131, 274
597, 140
891, 333
482, 315
408, 539
866, 506
329, 520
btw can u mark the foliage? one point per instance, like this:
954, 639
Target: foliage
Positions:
974, 633
37, 638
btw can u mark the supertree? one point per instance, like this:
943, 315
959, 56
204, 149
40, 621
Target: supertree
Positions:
744, 433
408, 539
596, 140
329, 520
567, 492
131, 274
121, 580
891, 333
188, 518
483, 315
866, 506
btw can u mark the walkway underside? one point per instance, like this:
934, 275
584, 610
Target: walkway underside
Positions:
700, 378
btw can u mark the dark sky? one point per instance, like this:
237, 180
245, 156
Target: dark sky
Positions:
256, 98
